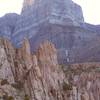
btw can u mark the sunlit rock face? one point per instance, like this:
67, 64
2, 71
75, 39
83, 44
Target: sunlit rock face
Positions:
38, 76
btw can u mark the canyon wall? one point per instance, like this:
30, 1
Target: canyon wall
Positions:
36, 14
60, 22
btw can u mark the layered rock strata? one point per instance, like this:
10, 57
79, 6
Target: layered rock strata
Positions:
35, 14
60, 22
7, 25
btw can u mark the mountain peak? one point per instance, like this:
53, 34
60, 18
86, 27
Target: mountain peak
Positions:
57, 11
27, 2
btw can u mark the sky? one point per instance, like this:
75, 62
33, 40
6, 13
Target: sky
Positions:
91, 9
7, 6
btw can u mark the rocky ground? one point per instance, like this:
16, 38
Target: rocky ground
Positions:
43, 75
38, 76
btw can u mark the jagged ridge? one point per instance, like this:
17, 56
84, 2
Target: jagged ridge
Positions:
39, 77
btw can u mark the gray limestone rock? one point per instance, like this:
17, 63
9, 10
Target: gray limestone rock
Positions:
60, 22
7, 24
38, 12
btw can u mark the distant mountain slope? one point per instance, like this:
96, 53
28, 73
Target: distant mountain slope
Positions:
90, 52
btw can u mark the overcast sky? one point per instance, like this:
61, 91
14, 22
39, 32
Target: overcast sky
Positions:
91, 8
10, 6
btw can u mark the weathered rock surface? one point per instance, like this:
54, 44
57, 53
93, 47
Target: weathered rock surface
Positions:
37, 75
26, 76
60, 22
85, 79
7, 24
44, 12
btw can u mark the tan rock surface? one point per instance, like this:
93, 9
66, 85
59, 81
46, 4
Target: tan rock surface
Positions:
39, 77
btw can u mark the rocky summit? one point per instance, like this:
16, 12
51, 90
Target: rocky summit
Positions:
38, 15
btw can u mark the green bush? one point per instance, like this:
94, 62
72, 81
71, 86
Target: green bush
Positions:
10, 98
97, 70
4, 82
17, 85
67, 87
6, 97
26, 97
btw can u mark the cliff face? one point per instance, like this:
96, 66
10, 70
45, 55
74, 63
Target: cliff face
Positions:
7, 25
60, 22
26, 76
55, 11
37, 14
37, 76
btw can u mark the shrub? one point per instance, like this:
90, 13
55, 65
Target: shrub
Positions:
17, 85
26, 97
97, 70
6, 97
67, 87
4, 82
10, 98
